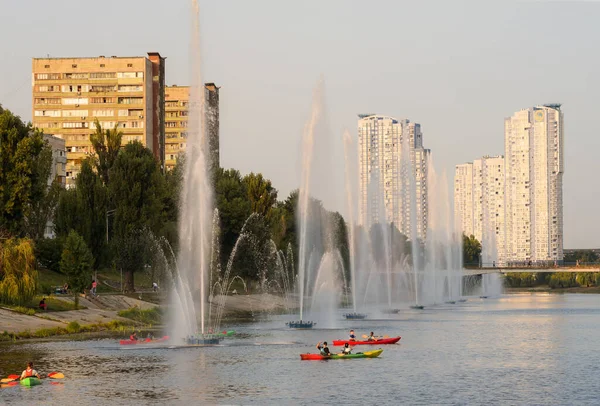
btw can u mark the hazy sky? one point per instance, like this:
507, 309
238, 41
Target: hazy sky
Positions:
458, 69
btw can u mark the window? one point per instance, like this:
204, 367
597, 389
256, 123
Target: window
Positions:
136, 113
125, 75
103, 75
102, 65
103, 113
123, 113
46, 113
130, 65
130, 100
171, 104
171, 124
47, 125
102, 100
46, 66
75, 88
75, 100
47, 76
98, 88
48, 88
75, 113
130, 88
73, 66
46, 101
75, 125
76, 75
171, 135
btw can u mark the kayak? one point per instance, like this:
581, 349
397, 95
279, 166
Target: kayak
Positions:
319, 357
391, 340
30, 381
143, 341
227, 333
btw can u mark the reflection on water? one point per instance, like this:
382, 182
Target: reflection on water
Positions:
518, 349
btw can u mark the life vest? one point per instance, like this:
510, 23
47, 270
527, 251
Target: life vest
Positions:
28, 372
133, 338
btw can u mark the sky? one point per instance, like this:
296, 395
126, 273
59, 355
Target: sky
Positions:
457, 68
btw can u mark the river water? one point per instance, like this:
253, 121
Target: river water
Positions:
517, 349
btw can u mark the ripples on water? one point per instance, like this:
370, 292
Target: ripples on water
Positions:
519, 349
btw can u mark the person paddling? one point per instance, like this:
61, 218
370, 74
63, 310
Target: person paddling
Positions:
372, 337
346, 349
29, 372
133, 337
324, 349
352, 337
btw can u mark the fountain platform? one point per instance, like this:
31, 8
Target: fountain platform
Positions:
462, 300
390, 311
483, 297
417, 307
451, 302
203, 339
355, 316
301, 324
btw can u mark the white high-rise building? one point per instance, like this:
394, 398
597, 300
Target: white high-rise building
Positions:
534, 143
479, 205
389, 175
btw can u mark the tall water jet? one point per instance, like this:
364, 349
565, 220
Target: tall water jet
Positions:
350, 210
308, 141
195, 222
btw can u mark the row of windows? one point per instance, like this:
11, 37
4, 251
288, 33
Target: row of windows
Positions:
84, 113
93, 75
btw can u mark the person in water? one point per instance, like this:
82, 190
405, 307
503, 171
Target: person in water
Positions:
352, 337
346, 349
372, 337
324, 349
29, 372
133, 337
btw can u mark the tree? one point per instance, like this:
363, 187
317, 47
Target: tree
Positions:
261, 194
471, 250
48, 252
583, 256
136, 190
83, 209
25, 160
76, 262
107, 144
18, 276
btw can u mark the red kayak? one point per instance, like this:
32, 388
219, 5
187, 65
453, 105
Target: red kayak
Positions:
143, 341
391, 340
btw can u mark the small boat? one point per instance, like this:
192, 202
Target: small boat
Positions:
417, 307
30, 381
355, 316
390, 340
227, 333
319, 357
301, 324
143, 341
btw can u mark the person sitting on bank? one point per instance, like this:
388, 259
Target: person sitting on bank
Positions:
43, 304
352, 336
346, 350
29, 372
372, 337
324, 349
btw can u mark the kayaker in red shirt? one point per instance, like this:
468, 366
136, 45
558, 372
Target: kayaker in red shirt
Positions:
29, 372
324, 349
133, 337
352, 337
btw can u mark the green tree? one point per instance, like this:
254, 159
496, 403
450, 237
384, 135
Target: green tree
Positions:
76, 262
48, 252
583, 256
25, 160
136, 190
261, 194
171, 201
18, 276
471, 250
107, 144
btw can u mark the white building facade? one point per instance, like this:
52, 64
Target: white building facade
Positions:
534, 146
392, 174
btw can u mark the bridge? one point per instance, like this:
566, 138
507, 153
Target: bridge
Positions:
505, 270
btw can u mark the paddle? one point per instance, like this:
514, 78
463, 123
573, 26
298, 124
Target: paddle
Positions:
366, 336
51, 375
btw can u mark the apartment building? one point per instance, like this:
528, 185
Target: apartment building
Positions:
479, 205
177, 99
392, 167
68, 94
534, 162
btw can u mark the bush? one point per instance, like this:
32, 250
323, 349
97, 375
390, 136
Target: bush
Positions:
48, 252
46, 289
73, 327
24, 310
149, 316
563, 280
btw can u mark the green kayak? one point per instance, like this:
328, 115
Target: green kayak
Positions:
319, 357
30, 381
227, 333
